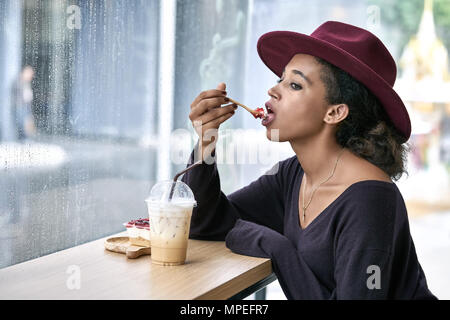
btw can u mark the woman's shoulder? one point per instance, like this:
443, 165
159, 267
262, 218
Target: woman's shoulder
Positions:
358, 169
369, 183
372, 190
373, 211
366, 181
372, 204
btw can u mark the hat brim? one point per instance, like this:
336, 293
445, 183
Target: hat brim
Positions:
277, 48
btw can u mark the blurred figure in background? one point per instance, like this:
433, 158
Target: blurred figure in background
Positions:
22, 96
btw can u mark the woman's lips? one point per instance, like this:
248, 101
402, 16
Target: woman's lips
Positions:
270, 115
266, 121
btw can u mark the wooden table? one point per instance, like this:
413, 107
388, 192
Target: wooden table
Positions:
211, 271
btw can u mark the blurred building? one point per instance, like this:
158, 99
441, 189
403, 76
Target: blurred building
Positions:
424, 86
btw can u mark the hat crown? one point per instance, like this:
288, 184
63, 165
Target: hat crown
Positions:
361, 44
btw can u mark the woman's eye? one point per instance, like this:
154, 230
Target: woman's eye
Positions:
296, 86
293, 85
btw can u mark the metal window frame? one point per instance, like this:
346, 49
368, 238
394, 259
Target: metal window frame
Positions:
166, 72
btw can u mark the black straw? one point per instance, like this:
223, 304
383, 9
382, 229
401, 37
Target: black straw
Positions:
178, 175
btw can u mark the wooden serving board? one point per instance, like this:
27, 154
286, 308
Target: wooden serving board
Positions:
123, 245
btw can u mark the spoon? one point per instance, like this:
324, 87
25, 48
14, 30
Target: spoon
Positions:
258, 113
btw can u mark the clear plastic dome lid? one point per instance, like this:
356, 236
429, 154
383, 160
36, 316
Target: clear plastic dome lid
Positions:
181, 193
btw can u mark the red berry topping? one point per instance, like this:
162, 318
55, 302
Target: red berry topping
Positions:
142, 223
260, 113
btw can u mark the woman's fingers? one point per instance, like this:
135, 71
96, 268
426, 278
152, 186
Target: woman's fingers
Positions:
207, 113
216, 113
214, 124
206, 95
222, 86
206, 105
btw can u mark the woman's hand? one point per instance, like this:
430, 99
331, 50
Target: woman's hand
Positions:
207, 115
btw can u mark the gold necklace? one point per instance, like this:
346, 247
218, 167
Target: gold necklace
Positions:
303, 200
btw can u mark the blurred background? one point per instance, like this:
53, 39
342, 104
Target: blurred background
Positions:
95, 98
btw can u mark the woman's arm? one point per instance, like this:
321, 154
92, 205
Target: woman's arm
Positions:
294, 275
216, 213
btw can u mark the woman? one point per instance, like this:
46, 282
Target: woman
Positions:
331, 219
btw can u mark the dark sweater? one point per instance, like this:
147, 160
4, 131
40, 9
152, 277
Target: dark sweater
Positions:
359, 247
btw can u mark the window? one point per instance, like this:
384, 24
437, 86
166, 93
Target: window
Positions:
79, 125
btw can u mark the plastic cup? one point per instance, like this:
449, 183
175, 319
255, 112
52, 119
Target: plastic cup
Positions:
170, 222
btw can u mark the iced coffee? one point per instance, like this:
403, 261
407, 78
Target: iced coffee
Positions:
170, 222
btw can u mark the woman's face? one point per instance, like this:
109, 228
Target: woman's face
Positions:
298, 100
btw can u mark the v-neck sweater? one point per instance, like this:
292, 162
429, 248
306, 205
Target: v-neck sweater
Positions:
358, 247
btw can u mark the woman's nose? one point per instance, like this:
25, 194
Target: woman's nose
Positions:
273, 93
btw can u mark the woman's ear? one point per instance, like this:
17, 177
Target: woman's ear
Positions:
336, 113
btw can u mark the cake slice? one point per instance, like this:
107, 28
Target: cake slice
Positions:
139, 232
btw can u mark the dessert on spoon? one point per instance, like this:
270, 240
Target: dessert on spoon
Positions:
267, 116
257, 113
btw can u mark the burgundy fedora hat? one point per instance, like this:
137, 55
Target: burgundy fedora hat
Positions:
356, 51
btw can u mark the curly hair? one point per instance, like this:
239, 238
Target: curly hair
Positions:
367, 131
